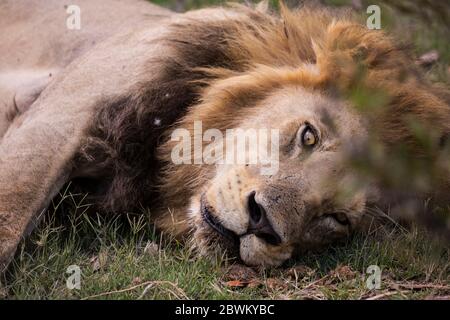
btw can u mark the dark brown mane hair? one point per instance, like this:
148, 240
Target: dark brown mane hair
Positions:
122, 147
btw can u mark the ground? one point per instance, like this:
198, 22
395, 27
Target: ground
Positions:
121, 257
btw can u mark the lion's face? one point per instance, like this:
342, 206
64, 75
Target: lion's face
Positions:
266, 218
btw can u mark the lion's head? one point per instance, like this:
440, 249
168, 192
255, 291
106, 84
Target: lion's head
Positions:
290, 74
269, 215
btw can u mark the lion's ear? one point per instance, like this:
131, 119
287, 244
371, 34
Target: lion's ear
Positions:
263, 6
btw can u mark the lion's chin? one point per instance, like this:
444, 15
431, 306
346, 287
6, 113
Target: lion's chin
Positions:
250, 250
256, 252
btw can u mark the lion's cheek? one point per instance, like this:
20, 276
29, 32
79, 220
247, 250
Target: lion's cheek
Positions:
256, 252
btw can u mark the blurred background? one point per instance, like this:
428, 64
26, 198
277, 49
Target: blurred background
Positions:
423, 23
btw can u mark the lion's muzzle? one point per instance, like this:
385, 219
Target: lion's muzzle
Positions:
259, 224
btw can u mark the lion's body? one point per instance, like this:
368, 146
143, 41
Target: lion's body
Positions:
44, 46
97, 103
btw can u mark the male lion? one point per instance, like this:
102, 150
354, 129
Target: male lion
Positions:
97, 105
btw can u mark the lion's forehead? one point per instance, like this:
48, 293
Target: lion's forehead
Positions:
287, 108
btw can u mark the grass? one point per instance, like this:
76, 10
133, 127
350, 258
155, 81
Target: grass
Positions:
122, 257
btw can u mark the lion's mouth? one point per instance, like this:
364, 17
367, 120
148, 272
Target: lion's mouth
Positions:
213, 222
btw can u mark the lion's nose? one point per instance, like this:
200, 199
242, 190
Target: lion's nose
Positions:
259, 224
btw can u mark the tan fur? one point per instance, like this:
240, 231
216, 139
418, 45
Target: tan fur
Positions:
94, 115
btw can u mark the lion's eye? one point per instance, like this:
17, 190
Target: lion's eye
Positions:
309, 138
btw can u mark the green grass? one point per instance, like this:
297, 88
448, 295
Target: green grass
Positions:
110, 250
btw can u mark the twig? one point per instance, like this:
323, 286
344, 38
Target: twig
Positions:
314, 282
148, 285
423, 286
386, 294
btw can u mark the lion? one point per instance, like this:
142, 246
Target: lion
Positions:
98, 105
